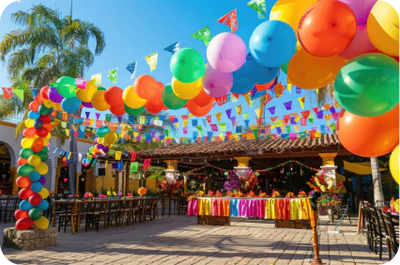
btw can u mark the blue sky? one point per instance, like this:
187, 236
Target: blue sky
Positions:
135, 29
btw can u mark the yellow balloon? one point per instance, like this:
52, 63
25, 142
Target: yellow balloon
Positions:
99, 102
53, 104
45, 141
131, 99
48, 136
394, 164
187, 90
100, 140
290, 11
42, 223
86, 94
383, 28
311, 72
44, 193
47, 103
110, 138
58, 106
42, 168
29, 123
34, 160
27, 142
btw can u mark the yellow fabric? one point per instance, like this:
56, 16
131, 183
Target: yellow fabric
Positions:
362, 168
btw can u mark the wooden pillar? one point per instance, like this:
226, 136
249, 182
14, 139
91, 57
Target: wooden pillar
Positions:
314, 223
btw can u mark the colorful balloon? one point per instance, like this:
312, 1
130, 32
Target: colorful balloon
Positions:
35, 199
99, 102
34, 160
258, 73
131, 99
113, 96
25, 153
71, 105
394, 164
54, 95
29, 132
19, 214
35, 213
217, 84
25, 170
23, 182
87, 105
146, 87
36, 187
66, 86
111, 138
361, 9
202, 99
37, 145
134, 112
327, 28
171, 100
241, 82
42, 168
24, 223
25, 193
369, 136
272, 43
34, 176
44, 92
311, 72
187, 65
368, 85
360, 44
24, 205
118, 110
44, 205
42, 223
85, 95
186, 90
155, 105
198, 111
22, 161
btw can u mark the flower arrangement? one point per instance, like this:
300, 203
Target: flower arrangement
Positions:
142, 191
394, 205
325, 186
290, 195
243, 184
169, 188
218, 194
88, 195
329, 199
301, 194
275, 194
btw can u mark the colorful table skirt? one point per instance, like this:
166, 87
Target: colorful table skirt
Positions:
265, 208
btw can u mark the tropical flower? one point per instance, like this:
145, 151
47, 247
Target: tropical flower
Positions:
142, 191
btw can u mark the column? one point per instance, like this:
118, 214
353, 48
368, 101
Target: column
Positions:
172, 170
328, 161
243, 165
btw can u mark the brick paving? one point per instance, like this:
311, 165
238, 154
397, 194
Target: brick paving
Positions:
179, 240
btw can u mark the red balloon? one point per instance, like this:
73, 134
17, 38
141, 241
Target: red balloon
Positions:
25, 193
22, 161
46, 119
19, 214
23, 182
29, 132
37, 145
146, 87
327, 28
42, 132
35, 199
369, 136
155, 105
113, 96
43, 91
39, 98
198, 111
118, 109
24, 223
34, 106
48, 126
202, 99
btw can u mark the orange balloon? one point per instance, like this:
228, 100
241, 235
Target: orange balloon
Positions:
202, 99
23, 182
34, 106
118, 109
369, 136
264, 86
113, 96
99, 102
43, 91
155, 105
198, 111
48, 126
22, 161
29, 132
327, 28
146, 87
311, 72
37, 145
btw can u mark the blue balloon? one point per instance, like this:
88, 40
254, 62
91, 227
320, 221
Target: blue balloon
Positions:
258, 73
241, 83
44, 204
24, 205
71, 105
36, 187
273, 43
33, 115
34, 176
38, 124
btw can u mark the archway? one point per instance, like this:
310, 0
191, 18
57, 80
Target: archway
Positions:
7, 160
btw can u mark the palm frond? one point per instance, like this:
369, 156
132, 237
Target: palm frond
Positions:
19, 60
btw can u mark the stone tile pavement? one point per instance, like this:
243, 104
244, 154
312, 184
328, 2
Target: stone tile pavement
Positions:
179, 240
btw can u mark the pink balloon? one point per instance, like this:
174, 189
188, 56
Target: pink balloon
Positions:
226, 52
359, 45
361, 9
217, 84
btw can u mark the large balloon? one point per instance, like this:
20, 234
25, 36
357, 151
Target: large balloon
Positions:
26, 153
258, 73
87, 105
54, 95
186, 90
226, 52
111, 138
198, 111
99, 102
327, 28
131, 99
290, 11
368, 85
24, 223
71, 105
118, 110
383, 28
155, 105
113, 96
42, 223
35, 199
171, 100
133, 112
23, 182
187, 65
361, 9
25, 193
24, 205
202, 98
360, 44
25, 170
310, 72
21, 214
86, 94
394, 164
217, 84
146, 87
66, 86
241, 82
369, 136
34, 160
273, 43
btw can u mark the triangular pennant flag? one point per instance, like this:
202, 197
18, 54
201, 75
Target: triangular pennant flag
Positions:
218, 115
19, 92
258, 112
112, 75
328, 117
234, 98
273, 118
35, 92
298, 90
214, 127
259, 7
316, 109
286, 118
7, 92
239, 109
311, 117
335, 116
233, 120
296, 128
247, 97
87, 114
222, 100
320, 114
272, 110
246, 116
203, 35
288, 105
247, 122
97, 115
151, 60
267, 98
80, 83
278, 88
326, 106
134, 167
305, 114
222, 126
96, 79
230, 20
332, 109
302, 101
132, 69
252, 103
146, 163
228, 113
289, 87
173, 48
208, 117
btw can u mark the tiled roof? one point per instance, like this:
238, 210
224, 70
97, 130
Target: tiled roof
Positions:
241, 147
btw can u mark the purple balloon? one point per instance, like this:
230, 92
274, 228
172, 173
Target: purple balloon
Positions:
226, 52
217, 84
359, 45
42, 180
87, 104
54, 96
361, 9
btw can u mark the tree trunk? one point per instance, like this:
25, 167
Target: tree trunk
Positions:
377, 181
73, 148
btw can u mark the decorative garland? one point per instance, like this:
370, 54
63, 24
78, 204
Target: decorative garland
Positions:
285, 163
203, 167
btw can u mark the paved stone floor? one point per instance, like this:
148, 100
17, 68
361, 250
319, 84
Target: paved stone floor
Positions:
179, 240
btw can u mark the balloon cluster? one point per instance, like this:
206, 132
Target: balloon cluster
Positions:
32, 166
105, 139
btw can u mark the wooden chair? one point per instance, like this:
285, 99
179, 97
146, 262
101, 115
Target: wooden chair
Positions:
391, 222
367, 224
66, 211
377, 234
125, 211
148, 208
114, 211
8, 205
155, 208
182, 205
165, 203
94, 211
137, 207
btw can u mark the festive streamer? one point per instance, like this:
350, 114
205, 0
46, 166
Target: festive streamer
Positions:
151, 60
302, 101
132, 69
203, 35
96, 79
230, 20
173, 48
7, 92
112, 75
259, 7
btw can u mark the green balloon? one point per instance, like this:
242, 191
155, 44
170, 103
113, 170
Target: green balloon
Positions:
368, 85
284, 67
187, 65
25, 170
133, 112
45, 149
101, 88
44, 156
171, 100
25, 153
101, 132
45, 111
66, 86
35, 213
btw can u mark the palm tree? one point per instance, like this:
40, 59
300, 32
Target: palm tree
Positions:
377, 182
48, 47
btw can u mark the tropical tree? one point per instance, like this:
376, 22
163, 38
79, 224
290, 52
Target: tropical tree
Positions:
46, 48
377, 182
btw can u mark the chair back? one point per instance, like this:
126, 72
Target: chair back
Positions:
375, 222
390, 221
